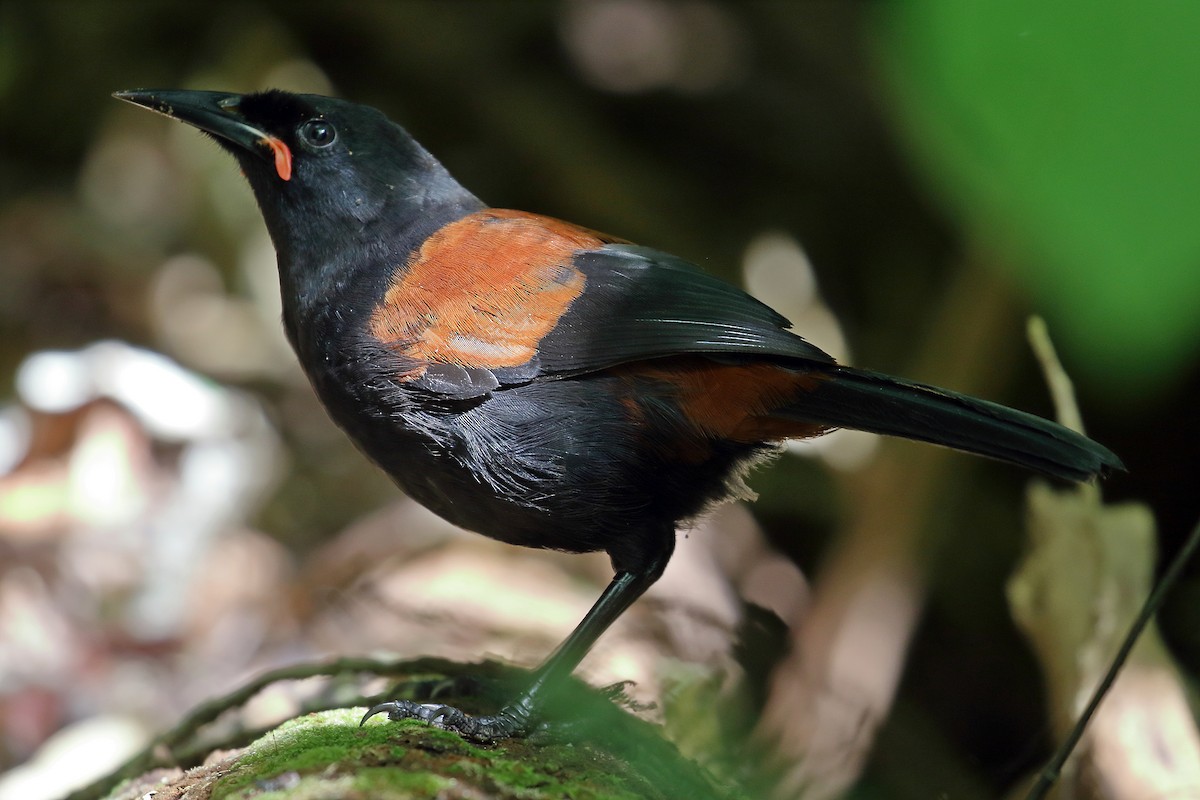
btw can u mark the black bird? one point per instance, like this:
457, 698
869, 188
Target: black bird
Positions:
538, 382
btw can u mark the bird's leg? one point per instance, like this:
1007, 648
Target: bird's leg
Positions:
518, 717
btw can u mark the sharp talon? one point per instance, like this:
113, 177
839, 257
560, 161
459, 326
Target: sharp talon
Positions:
379, 709
484, 730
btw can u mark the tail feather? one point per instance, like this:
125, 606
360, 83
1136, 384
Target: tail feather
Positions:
869, 401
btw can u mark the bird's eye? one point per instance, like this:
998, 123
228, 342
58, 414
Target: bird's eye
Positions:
318, 133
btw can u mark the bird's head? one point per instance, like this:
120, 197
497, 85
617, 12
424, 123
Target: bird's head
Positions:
321, 168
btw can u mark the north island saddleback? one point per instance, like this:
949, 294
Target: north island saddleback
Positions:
538, 382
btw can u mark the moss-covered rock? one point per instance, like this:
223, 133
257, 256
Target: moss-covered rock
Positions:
327, 755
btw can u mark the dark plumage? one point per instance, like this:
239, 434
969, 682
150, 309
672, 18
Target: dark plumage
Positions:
538, 382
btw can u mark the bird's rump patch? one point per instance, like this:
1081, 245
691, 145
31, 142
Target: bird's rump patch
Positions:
730, 401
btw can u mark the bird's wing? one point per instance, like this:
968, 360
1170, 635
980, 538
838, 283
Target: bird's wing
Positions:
642, 303
503, 297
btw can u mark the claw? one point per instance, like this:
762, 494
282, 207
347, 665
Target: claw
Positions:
379, 709
484, 729
407, 709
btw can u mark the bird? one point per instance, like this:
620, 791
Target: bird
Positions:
536, 381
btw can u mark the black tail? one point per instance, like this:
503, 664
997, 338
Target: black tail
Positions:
870, 401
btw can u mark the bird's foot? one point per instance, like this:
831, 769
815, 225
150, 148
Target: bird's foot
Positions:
506, 724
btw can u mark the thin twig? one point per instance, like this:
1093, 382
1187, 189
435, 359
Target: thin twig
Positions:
1054, 767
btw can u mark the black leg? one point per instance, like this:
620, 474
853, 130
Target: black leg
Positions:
518, 717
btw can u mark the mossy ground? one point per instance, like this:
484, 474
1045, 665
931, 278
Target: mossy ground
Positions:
330, 756
327, 755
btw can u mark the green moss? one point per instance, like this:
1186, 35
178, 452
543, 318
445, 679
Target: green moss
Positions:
562, 770
378, 782
329, 742
326, 755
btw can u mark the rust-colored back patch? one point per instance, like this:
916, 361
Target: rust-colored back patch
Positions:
483, 291
731, 401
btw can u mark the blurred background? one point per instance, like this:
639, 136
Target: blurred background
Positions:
906, 181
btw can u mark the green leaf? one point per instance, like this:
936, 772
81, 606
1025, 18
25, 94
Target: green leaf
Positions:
1067, 136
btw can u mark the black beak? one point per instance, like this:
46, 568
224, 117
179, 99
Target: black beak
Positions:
216, 113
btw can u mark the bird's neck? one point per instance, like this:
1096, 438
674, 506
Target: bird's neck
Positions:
340, 276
